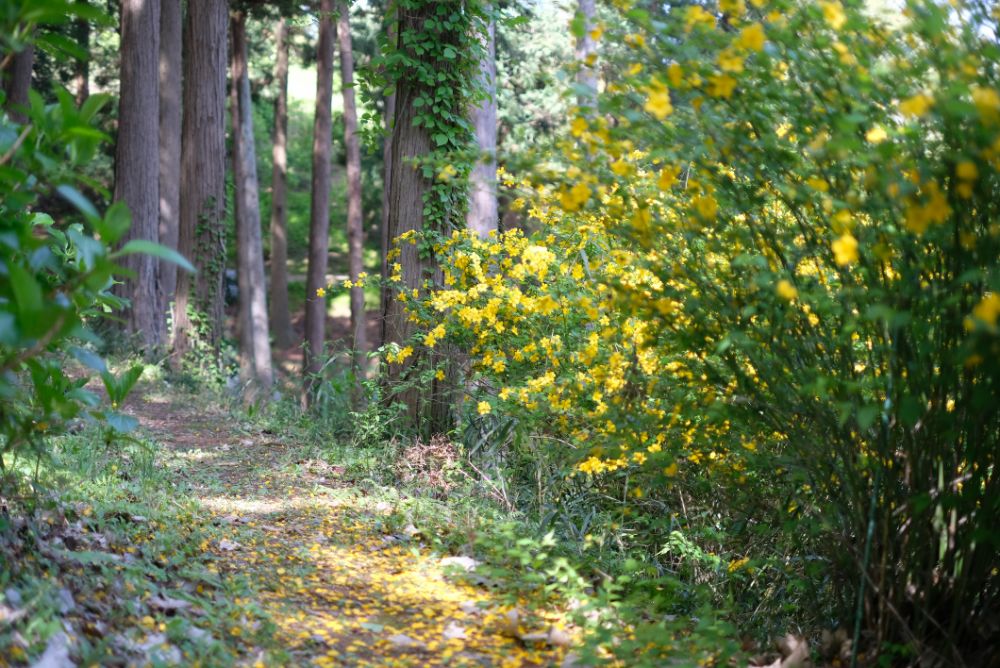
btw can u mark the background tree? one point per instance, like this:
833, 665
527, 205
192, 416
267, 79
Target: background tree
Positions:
17, 82
319, 222
203, 170
171, 38
281, 324
81, 72
255, 345
482, 215
355, 228
136, 173
586, 51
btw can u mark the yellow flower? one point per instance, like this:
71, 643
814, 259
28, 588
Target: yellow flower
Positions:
751, 38
918, 105
484, 408
706, 206
730, 61
668, 177
671, 470
786, 290
675, 74
732, 7
967, 171
695, 16
447, 172
721, 85
440, 374
578, 126
988, 310
845, 249
833, 13
658, 102
321, 292
876, 135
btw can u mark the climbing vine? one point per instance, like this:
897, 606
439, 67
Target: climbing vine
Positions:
440, 45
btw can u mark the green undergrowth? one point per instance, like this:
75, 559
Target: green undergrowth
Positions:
103, 554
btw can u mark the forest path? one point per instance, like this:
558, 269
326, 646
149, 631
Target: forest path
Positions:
341, 587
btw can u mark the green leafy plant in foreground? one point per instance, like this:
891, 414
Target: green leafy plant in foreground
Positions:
55, 274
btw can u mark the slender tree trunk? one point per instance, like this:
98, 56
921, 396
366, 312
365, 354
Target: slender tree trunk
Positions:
255, 344
170, 139
281, 322
17, 83
482, 216
203, 175
355, 228
319, 222
390, 113
405, 212
586, 50
81, 71
136, 172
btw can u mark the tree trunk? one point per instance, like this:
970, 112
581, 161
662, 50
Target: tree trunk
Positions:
482, 215
355, 229
170, 139
17, 83
319, 222
405, 212
203, 175
136, 172
81, 71
281, 322
255, 345
586, 49
390, 113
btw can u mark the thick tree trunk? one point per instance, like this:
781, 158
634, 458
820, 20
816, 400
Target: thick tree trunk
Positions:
586, 50
281, 322
482, 216
319, 222
81, 71
17, 83
255, 344
405, 212
170, 139
203, 175
136, 171
355, 229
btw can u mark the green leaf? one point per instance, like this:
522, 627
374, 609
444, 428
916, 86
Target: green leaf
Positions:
76, 198
117, 220
156, 250
27, 292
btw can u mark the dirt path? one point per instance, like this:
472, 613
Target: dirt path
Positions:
341, 587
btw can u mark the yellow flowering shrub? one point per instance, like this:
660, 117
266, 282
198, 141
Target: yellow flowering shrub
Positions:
771, 262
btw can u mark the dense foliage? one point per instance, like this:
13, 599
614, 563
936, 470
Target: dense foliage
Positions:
57, 275
767, 273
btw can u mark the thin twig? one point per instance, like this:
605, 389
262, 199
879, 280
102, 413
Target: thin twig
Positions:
17, 144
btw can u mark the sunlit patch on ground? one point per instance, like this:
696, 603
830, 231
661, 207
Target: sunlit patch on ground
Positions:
340, 591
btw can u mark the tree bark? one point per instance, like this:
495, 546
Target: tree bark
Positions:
355, 229
170, 139
136, 173
405, 212
281, 322
390, 113
586, 49
203, 175
81, 71
17, 83
482, 216
255, 344
319, 222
